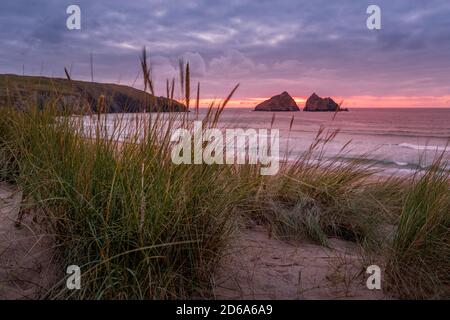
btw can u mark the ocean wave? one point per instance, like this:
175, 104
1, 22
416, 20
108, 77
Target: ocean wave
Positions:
383, 133
423, 147
402, 164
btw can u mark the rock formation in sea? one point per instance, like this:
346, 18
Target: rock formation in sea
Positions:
281, 102
316, 103
80, 97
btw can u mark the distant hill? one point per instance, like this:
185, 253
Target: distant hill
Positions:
80, 97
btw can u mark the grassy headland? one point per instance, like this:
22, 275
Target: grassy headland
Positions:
80, 97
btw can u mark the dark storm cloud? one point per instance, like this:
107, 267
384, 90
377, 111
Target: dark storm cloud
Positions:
295, 45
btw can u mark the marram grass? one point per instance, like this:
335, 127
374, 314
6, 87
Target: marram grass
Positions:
141, 227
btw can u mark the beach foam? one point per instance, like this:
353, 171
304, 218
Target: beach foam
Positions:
423, 147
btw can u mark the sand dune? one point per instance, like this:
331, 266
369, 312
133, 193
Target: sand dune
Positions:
255, 267
260, 267
27, 268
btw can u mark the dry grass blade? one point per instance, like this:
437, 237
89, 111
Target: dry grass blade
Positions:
67, 74
188, 86
197, 100
181, 70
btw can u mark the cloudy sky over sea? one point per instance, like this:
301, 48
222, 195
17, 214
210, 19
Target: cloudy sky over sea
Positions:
268, 46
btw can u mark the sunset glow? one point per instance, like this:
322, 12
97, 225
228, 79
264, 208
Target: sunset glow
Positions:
352, 102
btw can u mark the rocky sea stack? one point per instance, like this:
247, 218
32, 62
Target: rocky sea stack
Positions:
80, 97
281, 102
316, 103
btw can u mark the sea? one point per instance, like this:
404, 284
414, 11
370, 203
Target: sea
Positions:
395, 141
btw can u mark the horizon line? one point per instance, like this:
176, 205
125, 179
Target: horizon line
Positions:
352, 101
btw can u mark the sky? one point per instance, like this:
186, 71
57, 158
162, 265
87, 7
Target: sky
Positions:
299, 46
